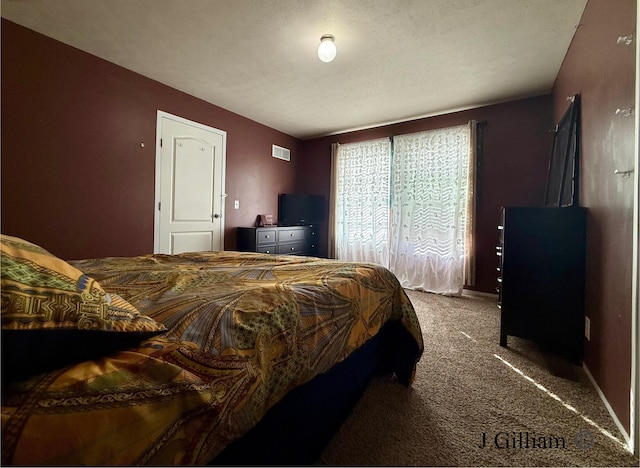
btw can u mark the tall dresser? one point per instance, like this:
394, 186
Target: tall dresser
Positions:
541, 277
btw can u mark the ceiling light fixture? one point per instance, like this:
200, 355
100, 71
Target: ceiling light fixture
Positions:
327, 48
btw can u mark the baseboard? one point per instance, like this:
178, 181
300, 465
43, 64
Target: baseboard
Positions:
472, 292
621, 428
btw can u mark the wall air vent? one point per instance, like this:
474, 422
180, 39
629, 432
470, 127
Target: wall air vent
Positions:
280, 152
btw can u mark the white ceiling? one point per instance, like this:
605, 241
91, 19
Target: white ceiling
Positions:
397, 59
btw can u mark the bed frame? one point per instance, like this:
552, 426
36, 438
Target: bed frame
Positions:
283, 437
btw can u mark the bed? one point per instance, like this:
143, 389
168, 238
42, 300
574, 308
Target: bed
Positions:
190, 359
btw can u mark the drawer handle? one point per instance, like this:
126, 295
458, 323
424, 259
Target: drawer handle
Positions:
266, 236
267, 251
292, 234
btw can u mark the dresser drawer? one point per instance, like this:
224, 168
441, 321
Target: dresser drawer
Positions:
297, 240
291, 234
292, 248
266, 236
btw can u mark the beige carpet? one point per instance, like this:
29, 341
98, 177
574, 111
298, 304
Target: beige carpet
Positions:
468, 390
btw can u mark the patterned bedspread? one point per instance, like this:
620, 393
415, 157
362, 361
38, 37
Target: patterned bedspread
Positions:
244, 329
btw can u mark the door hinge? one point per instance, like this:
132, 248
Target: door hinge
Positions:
159, 205
160, 142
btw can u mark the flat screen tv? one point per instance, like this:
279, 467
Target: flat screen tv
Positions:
296, 209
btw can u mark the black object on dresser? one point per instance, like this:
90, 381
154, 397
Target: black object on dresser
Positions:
541, 277
294, 240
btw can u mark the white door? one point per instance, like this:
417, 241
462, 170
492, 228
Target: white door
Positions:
190, 166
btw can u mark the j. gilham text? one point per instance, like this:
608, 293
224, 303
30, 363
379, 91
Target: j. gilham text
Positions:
522, 440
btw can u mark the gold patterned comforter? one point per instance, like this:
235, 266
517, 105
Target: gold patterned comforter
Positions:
244, 329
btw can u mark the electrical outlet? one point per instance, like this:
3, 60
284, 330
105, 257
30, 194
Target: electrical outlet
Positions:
587, 328
236, 204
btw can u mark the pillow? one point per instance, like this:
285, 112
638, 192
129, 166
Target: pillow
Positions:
53, 314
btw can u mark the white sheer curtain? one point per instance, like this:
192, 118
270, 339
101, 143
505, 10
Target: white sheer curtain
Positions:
408, 204
361, 201
430, 184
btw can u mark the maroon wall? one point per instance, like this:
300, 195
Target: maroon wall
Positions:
75, 178
517, 146
603, 73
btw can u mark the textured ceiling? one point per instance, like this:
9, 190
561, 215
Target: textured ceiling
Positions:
397, 59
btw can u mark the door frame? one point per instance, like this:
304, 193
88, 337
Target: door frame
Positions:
634, 419
156, 217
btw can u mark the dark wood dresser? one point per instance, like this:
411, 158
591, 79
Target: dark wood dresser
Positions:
293, 240
541, 277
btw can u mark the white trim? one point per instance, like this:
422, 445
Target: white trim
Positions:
634, 394
156, 217
609, 408
472, 292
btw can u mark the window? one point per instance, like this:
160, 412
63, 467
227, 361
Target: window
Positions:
406, 203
